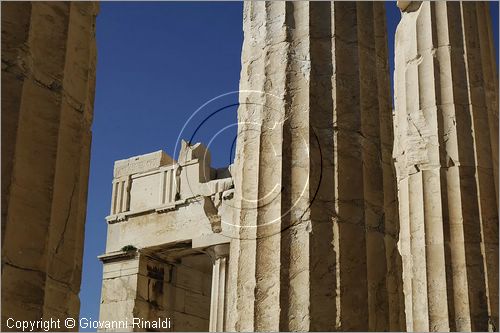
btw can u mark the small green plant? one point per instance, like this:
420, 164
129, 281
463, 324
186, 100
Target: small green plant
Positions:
127, 248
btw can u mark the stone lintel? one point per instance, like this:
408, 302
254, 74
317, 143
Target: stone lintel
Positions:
210, 240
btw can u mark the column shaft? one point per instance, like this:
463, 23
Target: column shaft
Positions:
46, 119
214, 297
218, 295
446, 151
314, 187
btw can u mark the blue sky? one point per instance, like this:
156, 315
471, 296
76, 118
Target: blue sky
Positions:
158, 63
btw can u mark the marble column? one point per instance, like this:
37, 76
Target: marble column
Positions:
48, 80
219, 254
446, 152
315, 191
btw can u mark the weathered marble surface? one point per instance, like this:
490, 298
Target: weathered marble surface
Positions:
48, 80
315, 193
446, 155
322, 231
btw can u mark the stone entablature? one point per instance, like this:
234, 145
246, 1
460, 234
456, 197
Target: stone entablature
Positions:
156, 182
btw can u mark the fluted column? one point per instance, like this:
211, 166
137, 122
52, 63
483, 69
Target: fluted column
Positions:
48, 80
315, 198
219, 254
446, 150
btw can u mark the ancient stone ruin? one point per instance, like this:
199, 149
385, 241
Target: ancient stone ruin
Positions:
48, 81
167, 249
342, 211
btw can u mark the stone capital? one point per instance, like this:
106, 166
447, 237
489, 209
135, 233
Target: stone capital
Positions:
218, 251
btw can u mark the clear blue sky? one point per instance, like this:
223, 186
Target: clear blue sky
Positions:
158, 62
